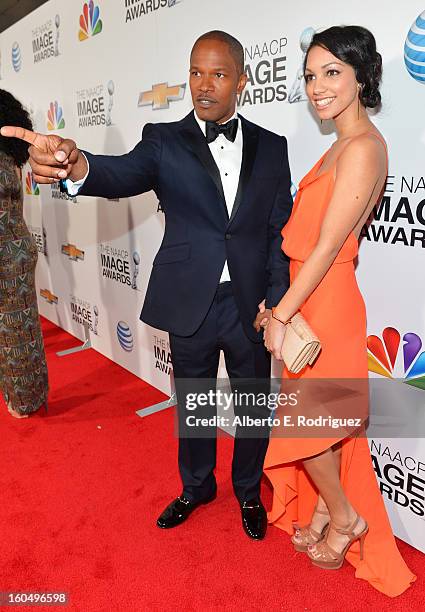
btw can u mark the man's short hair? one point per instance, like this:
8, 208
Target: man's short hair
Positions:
234, 45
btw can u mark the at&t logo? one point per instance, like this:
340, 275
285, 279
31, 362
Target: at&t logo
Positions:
16, 57
125, 337
414, 50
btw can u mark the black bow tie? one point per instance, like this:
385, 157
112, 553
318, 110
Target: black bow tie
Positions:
229, 130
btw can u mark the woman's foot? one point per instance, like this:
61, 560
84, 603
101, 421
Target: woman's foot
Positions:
315, 531
25, 415
330, 552
17, 415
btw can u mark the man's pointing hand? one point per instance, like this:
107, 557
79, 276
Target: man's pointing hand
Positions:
51, 157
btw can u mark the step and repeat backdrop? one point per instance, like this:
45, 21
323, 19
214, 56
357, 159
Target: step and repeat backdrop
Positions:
98, 71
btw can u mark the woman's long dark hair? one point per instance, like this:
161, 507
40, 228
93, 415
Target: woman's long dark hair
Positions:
13, 113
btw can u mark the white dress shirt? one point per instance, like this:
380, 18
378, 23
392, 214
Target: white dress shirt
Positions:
228, 157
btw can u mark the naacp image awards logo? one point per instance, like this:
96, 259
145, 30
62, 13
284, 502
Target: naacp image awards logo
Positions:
45, 40
94, 105
265, 66
84, 313
40, 238
118, 266
134, 9
162, 354
401, 476
399, 218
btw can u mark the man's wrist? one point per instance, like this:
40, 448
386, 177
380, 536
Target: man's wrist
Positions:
79, 169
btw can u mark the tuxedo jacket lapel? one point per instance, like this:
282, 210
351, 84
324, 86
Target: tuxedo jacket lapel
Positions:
249, 152
197, 142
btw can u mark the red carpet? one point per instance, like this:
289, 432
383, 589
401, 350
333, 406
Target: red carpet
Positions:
82, 487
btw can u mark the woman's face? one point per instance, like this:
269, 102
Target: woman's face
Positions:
331, 84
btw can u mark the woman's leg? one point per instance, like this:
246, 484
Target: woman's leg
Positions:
337, 450
324, 471
319, 519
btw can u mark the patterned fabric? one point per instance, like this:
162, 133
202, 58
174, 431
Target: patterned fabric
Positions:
23, 370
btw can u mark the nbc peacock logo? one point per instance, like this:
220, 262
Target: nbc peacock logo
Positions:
383, 353
55, 119
90, 22
31, 187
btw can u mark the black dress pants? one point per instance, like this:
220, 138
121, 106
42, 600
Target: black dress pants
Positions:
197, 357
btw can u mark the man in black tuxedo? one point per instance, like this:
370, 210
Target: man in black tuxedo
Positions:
224, 187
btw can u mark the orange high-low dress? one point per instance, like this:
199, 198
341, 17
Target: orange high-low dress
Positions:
336, 312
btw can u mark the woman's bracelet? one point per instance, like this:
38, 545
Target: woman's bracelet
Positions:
277, 318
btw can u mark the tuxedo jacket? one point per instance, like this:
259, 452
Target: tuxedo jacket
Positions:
174, 160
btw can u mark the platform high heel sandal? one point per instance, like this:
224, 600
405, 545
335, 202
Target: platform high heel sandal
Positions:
326, 557
307, 536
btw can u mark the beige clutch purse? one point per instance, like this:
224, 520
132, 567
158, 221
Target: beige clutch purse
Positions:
300, 345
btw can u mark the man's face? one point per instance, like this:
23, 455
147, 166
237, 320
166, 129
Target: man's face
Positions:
215, 81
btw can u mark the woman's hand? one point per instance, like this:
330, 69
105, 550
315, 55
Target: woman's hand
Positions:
274, 334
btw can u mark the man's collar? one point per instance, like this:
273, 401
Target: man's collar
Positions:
201, 122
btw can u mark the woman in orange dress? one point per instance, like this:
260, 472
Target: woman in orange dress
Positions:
328, 484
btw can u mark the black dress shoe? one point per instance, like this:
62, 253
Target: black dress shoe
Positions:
179, 510
254, 519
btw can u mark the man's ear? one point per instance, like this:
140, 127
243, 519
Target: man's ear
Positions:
241, 83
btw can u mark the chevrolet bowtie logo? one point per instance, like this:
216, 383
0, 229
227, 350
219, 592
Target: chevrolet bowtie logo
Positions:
72, 252
49, 296
161, 95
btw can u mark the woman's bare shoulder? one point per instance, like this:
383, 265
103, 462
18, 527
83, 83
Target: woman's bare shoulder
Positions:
365, 151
